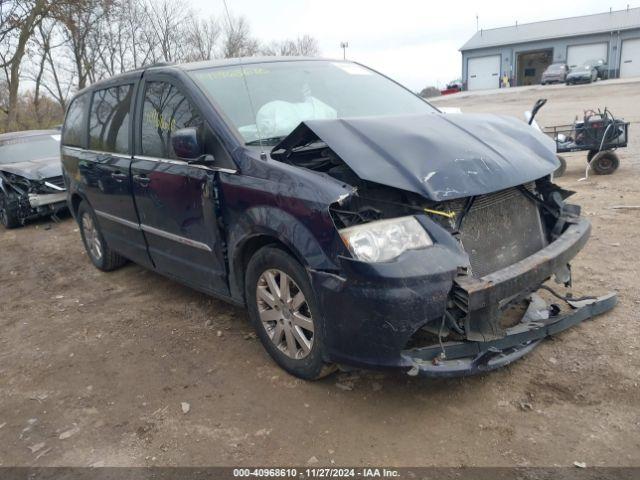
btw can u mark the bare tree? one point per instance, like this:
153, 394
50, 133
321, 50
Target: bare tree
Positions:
59, 46
40, 66
202, 38
133, 45
115, 41
57, 76
129, 40
276, 48
305, 46
165, 21
80, 20
237, 40
19, 19
4, 100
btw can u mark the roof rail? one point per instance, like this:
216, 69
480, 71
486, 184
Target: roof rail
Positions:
145, 67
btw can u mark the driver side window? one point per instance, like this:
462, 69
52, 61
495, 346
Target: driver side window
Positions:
165, 110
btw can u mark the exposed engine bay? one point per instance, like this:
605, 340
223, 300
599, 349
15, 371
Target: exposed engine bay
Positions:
25, 199
531, 213
499, 231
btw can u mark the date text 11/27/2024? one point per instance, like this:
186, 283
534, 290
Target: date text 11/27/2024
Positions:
316, 472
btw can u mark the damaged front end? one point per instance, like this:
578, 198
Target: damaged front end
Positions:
478, 297
498, 311
25, 199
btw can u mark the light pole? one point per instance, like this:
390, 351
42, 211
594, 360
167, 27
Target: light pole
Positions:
343, 46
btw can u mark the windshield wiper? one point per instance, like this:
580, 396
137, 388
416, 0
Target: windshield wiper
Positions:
265, 141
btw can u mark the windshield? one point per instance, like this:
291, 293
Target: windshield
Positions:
556, 67
283, 94
29, 148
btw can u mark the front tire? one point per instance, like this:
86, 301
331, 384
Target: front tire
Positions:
285, 314
8, 212
99, 252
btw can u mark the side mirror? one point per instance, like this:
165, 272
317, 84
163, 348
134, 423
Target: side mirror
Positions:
185, 144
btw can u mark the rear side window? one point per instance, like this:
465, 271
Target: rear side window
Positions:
109, 119
165, 110
74, 125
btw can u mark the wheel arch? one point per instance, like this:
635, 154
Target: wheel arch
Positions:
74, 203
263, 225
247, 249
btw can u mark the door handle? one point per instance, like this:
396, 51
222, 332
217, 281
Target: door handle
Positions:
119, 177
142, 180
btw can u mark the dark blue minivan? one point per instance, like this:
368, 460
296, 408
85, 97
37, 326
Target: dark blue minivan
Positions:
358, 224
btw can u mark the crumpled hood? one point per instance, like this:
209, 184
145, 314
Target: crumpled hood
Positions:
35, 169
439, 156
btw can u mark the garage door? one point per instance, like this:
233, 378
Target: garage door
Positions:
630, 59
579, 54
483, 73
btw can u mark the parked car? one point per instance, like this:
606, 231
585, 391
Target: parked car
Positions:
585, 73
454, 86
554, 73
357, 223
31, 183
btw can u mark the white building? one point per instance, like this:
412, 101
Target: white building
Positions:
522, 52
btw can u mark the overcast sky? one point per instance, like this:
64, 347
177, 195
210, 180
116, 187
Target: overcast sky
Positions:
415, 42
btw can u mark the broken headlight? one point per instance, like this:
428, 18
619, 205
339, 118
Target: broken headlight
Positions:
384, 240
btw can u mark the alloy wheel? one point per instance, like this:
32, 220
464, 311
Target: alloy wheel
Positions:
285, 314
91, 237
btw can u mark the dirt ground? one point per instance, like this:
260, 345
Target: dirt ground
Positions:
94, 367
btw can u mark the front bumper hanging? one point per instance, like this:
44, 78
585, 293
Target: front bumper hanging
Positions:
37, 200
453, 359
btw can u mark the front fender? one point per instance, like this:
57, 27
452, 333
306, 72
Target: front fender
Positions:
273, 222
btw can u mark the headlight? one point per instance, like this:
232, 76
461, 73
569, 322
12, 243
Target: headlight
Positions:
385, 240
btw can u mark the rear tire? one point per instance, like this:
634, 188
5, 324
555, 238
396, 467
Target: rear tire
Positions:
8, 212
604, 163
560, 171
590, 155
99, 252
285, 314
